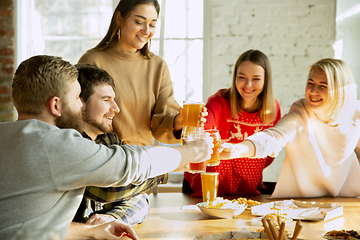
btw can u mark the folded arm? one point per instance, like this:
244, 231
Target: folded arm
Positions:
110, 230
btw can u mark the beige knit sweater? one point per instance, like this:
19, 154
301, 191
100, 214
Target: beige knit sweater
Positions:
144, 93
321, 160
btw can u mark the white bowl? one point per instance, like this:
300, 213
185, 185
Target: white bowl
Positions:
221, 213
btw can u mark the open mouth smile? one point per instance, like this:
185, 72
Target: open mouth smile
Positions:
110, 118
315, 99
143, 39
248, 91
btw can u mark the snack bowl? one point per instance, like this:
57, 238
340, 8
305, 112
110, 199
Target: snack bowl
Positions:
221, 212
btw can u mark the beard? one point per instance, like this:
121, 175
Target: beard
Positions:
102, 127
70, 119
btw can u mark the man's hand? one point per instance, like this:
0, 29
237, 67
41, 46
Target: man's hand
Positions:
167, 159
182, 169
113, 230
100, 219
197, 150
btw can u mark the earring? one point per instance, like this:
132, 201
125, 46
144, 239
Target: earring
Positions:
118, 34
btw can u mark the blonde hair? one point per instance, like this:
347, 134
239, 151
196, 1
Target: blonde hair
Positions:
341, 87
266, 100
38, 79
125, 7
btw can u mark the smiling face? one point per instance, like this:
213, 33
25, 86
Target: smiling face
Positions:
99, 110
138, 28
316, 91
250, 79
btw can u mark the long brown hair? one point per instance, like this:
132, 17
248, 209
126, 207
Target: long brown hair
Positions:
125, 7
266, 99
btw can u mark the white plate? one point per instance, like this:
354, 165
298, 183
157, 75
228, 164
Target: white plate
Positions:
221, 213
309, 211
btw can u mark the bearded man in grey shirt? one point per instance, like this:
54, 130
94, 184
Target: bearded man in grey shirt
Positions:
47, 166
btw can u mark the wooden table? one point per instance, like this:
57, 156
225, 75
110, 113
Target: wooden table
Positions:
167, 220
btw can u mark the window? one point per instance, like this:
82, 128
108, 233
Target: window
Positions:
69, 28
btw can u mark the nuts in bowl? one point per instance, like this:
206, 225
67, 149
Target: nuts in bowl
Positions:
221, 208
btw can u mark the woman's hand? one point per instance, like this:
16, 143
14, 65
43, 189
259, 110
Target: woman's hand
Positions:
178, 121
204, 113
238, 150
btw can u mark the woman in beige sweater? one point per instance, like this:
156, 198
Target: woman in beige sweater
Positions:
320, 134
144, 90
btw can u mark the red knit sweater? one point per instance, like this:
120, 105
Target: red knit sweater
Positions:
241, 176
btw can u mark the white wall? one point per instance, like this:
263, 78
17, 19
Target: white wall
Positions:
293, 33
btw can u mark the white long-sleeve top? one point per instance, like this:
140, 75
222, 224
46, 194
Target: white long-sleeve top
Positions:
321, 160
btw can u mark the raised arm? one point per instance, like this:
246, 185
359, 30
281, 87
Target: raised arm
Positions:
270, 141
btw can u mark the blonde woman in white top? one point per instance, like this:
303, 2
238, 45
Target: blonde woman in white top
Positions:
320, 134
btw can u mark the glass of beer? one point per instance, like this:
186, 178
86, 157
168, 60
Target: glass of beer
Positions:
197, 167
196, 133
209, 185
215, 156
191, 115
192, 129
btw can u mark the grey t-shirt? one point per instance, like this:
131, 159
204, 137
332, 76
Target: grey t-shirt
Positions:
44, 171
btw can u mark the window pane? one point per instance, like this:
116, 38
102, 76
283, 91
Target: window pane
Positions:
175, 19
184, 19
184, 58
154, 47
195, 16
69, 49
69, 28
74, 18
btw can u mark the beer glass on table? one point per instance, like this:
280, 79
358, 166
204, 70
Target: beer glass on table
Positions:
209, 185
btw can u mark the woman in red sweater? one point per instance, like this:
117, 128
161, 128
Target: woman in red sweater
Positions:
238, 112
